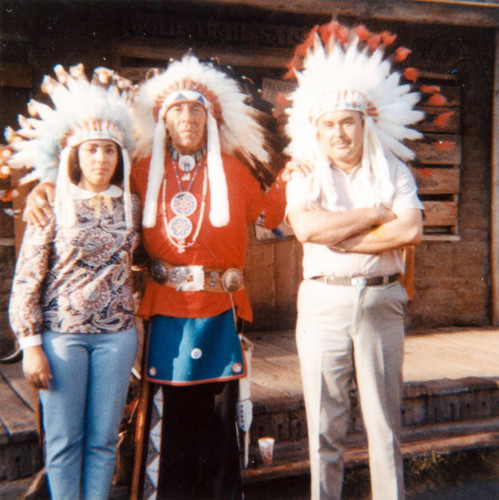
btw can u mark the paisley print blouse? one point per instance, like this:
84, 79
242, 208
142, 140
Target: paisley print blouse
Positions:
77, 279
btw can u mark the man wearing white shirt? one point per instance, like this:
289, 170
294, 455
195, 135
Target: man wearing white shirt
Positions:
354, 213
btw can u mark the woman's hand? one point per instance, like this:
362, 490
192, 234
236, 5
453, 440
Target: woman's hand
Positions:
36, 367
39, 211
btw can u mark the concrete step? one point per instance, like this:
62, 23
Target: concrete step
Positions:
291, 458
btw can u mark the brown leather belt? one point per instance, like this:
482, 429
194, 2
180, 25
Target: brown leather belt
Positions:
358, 280
196, 278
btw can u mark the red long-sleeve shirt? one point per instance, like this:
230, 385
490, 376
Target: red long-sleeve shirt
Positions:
221, 247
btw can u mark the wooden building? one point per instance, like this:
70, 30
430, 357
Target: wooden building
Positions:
454, 45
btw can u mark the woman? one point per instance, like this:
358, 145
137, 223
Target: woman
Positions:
72, 303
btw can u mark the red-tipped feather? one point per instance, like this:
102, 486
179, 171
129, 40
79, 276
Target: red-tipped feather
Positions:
374, 41
5, 153
292, 66
342, 33
411, 74
326, 30
436, 100
388, 38
402, 53
301, 49
362, 33
4, 172
429, 89
309, 41
443, 119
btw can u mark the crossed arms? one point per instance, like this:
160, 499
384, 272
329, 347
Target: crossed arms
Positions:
364, 230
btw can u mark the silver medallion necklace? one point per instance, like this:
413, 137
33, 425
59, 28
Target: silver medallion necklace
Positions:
184, 204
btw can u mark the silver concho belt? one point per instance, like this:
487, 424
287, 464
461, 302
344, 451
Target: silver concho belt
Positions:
196, 278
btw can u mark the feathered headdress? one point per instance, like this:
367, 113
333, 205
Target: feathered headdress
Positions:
338, 68
232, 127
82, 110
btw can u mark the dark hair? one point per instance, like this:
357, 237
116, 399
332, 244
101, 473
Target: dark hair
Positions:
74, 170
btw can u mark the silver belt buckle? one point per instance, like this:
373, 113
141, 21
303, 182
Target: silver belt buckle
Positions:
159, 272
359, 281
232, 280
188, 278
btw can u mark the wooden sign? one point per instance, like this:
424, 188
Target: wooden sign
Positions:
271, 88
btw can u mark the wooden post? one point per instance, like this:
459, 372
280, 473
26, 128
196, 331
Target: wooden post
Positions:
408, 277
140, 441
495, 191
142, 425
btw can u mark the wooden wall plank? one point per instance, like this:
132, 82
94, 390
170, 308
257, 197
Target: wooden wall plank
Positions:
402, 10
451, 92
407, 279
437, 180
453, 125
268, 57
438, 149
16, 75
440, 213
259, 275
288, 275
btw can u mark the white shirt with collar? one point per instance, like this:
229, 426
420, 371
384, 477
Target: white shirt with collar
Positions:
78, 193
353, 190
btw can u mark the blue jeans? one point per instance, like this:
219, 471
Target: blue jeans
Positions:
82, 410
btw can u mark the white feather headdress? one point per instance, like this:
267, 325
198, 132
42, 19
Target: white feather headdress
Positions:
232, 127
82, 110
346, 69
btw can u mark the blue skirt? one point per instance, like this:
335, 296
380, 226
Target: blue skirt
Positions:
185, 351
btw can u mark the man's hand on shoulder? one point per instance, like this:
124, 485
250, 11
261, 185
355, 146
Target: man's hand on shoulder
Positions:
302, 167
39, 205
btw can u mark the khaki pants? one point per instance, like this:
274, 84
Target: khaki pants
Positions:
345, 332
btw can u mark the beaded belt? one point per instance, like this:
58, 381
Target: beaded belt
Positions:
196, 278
359, 280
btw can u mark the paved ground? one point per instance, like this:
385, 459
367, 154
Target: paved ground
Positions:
472, 475
485, 489
298, 489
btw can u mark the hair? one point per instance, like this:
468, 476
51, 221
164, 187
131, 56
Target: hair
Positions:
74, 170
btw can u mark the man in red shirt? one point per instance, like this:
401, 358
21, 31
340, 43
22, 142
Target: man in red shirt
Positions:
202, 162
197, 201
